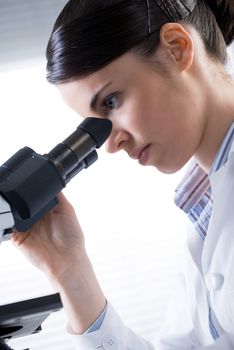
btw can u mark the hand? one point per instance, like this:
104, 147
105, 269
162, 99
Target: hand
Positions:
54, 242
56, 246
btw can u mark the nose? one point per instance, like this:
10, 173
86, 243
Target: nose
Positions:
117, 141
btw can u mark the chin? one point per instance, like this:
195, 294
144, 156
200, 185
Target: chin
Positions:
169, 169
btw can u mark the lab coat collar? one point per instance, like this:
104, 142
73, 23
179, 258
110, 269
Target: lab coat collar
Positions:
222, 186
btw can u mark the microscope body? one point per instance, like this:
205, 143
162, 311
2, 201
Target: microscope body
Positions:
30, 182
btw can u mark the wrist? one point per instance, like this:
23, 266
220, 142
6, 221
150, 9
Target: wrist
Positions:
81, 295
69, 268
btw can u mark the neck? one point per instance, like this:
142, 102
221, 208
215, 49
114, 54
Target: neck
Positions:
219, 115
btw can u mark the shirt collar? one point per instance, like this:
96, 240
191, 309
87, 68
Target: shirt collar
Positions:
195, 182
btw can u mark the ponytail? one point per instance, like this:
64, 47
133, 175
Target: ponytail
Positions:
223, 11
214, 21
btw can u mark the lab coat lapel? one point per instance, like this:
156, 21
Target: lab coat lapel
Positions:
222, 185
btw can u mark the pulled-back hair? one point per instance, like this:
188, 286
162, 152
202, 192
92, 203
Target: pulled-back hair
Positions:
90, 34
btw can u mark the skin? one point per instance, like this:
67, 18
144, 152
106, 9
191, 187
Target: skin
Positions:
177, 115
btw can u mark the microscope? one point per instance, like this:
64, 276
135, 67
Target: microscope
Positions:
29, 185
25, 317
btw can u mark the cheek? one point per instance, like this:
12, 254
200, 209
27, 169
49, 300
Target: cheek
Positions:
145, 114
132, 116
178, 148
175, 140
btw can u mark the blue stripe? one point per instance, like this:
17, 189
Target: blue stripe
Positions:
213, 330
98, 323
224, 150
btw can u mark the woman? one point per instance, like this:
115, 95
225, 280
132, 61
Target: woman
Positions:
155, 68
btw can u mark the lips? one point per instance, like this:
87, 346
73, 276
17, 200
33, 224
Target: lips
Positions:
141, 154
144, 155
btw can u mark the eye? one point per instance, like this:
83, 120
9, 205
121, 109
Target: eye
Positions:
111, 102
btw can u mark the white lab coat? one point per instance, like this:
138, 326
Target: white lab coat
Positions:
208, 278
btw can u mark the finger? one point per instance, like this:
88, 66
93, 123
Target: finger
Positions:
19, 237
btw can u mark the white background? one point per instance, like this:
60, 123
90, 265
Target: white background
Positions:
134, 233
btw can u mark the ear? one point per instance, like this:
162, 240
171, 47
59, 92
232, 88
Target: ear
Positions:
178, 43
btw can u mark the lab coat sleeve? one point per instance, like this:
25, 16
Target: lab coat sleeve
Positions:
113, 335
178, 332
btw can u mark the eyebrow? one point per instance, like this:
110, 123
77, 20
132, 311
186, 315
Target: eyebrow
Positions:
95, 98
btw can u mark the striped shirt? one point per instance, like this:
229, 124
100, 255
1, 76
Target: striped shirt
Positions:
193, 195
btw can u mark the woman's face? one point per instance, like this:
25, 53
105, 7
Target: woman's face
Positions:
156, 119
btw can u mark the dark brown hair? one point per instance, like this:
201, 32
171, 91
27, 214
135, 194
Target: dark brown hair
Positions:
89, 34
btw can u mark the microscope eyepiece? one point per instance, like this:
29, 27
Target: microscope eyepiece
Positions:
77, 151
98, 129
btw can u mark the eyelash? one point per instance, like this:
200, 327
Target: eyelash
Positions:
107, 108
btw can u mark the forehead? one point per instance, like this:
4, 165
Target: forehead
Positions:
79, 93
